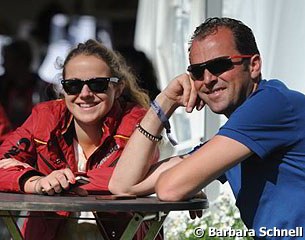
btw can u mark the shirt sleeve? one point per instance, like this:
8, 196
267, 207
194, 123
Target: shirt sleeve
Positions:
20, 146
264, 122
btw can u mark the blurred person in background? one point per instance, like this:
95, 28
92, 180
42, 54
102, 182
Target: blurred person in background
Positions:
5, 125
20, 87
143, 69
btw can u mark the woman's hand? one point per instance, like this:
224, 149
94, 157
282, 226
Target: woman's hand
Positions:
55, 182
11, 162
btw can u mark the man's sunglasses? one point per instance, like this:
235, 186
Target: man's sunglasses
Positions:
98, 85
215, 66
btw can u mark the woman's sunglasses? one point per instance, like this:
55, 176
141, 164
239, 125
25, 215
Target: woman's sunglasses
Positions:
215, 66
98, 85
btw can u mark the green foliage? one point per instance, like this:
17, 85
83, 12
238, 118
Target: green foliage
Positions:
221, 215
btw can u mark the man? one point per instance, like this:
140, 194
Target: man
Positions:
260, 150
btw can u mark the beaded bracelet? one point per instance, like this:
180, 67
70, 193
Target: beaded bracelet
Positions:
147, 134
161, 115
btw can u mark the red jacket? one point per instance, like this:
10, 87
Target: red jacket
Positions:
45, 141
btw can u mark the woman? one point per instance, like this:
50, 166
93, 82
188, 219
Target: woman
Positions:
84, 132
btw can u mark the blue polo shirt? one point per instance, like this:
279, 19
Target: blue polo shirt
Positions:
270, 185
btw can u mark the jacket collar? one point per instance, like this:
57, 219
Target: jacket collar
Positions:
110, 122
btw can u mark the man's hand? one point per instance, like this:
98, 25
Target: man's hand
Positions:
182, 92
194, 214
197, 213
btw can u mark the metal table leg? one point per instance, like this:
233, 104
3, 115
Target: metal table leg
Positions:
11, 225
154, 228
132, 227
138, 219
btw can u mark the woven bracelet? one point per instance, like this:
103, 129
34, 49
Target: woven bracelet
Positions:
147, 134
161, 115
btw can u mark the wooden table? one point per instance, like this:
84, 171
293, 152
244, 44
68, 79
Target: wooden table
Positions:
144, 208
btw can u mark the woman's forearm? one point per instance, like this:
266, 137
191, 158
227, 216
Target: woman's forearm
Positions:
139, 154
147, 185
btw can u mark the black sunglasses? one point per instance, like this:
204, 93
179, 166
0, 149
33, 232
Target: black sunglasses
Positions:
215, 66
98, 84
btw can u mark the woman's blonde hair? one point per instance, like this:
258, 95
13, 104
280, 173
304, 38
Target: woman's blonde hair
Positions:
118, 67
